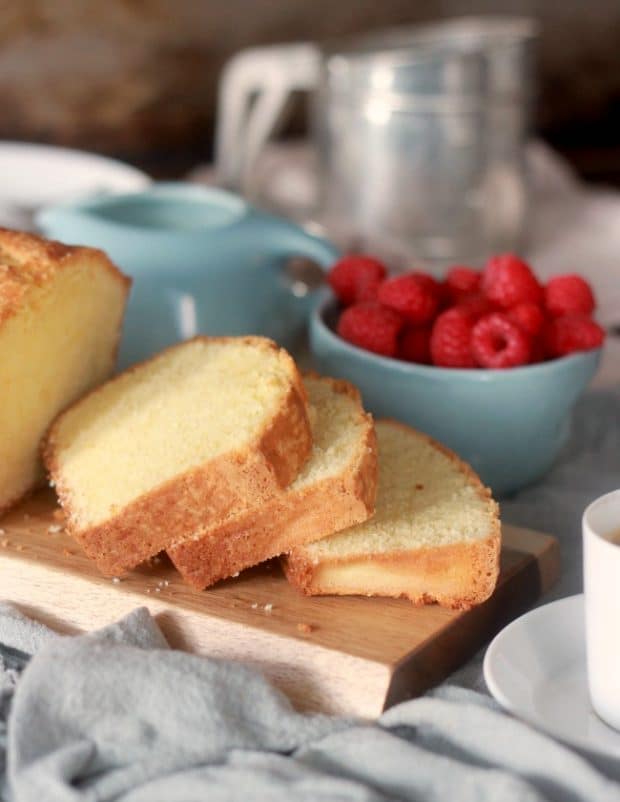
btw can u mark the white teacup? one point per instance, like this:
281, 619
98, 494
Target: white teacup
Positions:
601, 556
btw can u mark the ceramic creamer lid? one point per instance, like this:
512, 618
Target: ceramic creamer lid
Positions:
171, 209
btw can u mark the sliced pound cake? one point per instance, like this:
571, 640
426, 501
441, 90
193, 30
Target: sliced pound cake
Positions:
435, 536
177, 443
335, 489
61, 311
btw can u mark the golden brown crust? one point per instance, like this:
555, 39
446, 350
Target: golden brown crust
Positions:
27, 260
465, 572
341, 386
458, 575
289, 519
287, 442
209, 493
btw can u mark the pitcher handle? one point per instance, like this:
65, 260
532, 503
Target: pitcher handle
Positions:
255, 87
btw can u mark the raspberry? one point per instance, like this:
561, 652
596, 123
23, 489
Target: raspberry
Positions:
451, 340
356, 278
371, 326
565, 335
415, 345
437, 288
569, 295
409, 297
428, 282
507, 281
529, 317
475, 305
461, 280
537, 350
497, 342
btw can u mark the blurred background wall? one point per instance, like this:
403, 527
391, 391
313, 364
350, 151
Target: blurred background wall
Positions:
138, 78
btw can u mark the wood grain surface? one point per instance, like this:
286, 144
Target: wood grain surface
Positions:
350, 655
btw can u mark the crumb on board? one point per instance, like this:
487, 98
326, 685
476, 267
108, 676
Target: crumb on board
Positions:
254, 605
19, 547
419, 486
54, 529
305, 628
268, 607
116, 579
5, 543
235, 575
68, 553
2, 532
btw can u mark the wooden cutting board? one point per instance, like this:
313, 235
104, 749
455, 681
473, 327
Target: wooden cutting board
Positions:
335, 654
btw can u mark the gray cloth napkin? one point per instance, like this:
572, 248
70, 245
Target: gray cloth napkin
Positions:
116, 715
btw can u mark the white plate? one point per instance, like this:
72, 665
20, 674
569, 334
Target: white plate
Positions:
33, 176
536, 669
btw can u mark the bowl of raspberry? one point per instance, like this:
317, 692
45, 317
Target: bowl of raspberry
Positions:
488, 361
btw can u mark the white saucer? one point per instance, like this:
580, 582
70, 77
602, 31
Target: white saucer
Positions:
536, 669
34, 176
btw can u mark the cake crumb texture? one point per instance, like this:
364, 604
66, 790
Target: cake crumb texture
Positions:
175, 442
335, 489
61, 311
435, 535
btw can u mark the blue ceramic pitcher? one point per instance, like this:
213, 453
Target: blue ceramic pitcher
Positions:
202, 261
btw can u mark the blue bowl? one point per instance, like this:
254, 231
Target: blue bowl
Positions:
509, 425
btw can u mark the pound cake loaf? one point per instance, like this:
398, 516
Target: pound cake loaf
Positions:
61, 311
435, 536
335, 489
177, 443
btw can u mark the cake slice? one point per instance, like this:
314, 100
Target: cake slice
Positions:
176, 443
435, 536
61, 311
335, 489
